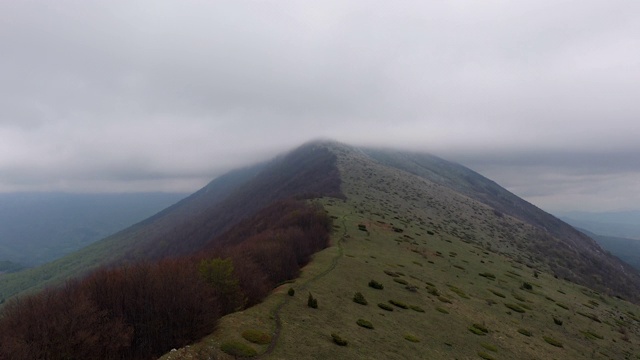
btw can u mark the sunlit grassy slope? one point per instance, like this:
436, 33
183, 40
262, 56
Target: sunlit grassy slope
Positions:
471, 287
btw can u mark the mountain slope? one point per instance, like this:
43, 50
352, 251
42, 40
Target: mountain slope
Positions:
189, 225
461, 279
628, 250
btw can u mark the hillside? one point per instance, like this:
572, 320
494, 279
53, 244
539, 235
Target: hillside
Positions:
188, 226
461, 278
628, 250
428, 259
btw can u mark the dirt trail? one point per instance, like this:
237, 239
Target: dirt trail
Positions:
276, 311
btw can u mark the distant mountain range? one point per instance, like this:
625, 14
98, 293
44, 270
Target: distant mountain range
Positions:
428, 259
36, 228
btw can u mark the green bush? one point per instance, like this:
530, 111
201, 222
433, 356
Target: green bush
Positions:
557, 321
488, 275
291, 292
497, 293
489, 347
401, 281
411, 338
526, 286
376, 285
399, 304
485, 356
444, 299
338, 340
515, 307
552, 341
384, 306
312, 302
359, 298
256, 336
478, 329
416, 308
525, 332
391, 273
364, 323
442, 310
238, 349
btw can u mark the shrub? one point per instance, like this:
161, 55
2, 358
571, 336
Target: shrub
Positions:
489, 347
552, 341
338, 340
384, 306
376, 285
291, 292
497, 293
525, 332
401, 281
563, 306
359, 298
526, 286
312, 302
488, 275
478, 329
515, 307
485, 356
416, 308
362, 227
442, 310
399, 304
364, 323
391, 273
557, 321
256, 336
444, 299
238, 349
411, 338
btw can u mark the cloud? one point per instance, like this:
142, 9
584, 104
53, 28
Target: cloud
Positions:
134, 95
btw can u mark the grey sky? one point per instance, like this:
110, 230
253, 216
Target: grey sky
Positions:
541, 96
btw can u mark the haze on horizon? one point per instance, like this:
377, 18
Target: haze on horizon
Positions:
125, 96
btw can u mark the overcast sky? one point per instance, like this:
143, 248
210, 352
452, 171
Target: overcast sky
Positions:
541, 96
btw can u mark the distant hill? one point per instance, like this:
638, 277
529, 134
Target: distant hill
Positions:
624, 224
36, 228
428, 259
628, 250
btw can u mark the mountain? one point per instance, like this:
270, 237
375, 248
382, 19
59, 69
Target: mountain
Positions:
617, 224
36, 228
428, 259
628, 250
189, 225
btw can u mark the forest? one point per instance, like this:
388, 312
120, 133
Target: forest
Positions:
142, 310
